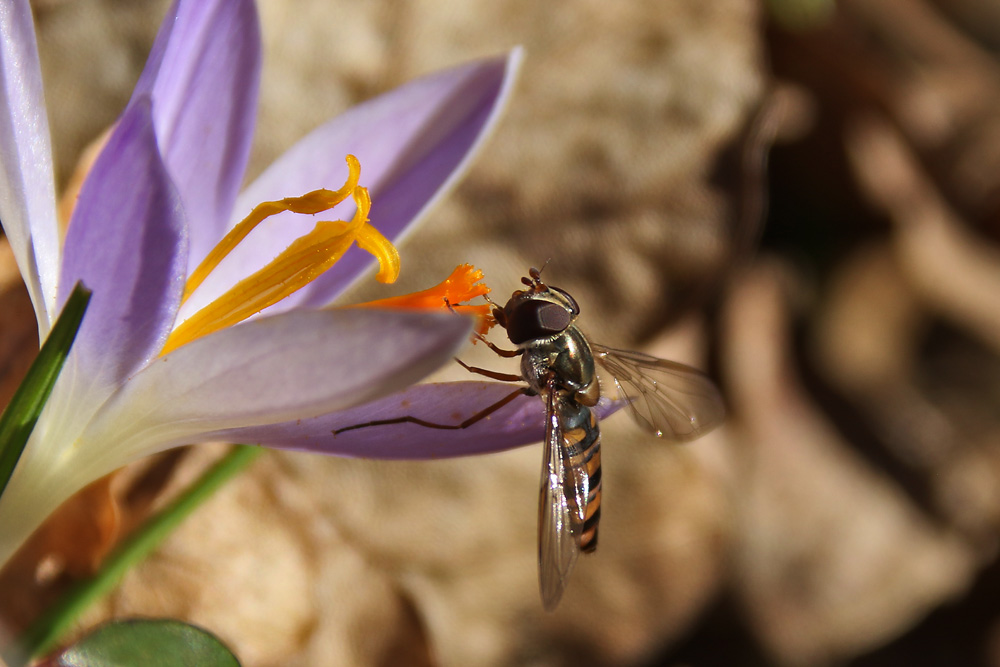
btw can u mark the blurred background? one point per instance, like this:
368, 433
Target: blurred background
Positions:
846, 299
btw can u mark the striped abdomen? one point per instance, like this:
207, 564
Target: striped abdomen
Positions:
583, 448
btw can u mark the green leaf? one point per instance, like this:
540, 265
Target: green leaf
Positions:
18, 419
148, 642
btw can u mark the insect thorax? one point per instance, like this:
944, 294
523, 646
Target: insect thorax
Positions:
569, 357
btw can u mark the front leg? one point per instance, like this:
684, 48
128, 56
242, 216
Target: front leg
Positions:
499, 350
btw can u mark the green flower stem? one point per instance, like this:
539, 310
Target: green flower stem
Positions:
47, 630
19, 417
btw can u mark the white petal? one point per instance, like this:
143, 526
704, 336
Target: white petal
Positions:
27, 190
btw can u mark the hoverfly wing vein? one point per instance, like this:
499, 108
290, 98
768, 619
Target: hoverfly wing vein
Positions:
558, 543
665, 397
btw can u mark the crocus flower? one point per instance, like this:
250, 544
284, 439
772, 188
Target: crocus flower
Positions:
159, 198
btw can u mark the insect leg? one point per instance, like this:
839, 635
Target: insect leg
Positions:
481, 338
496, 375
499, 350
479, 416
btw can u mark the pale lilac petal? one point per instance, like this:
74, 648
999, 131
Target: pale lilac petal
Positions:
27, 191
126, 243
413, 144
520, 422
281, 368
203, 75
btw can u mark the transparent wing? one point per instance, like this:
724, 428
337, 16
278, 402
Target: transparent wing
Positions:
668, 399
560, 510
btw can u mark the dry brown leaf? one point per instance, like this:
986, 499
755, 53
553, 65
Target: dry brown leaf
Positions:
831, 556
955, 273
70, 545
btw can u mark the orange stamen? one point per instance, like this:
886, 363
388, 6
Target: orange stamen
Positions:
462, 285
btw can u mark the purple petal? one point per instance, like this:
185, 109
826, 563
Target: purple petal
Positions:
127, 243
413, 143
520, 422
407, 179
27, 195
291, 366
203, 75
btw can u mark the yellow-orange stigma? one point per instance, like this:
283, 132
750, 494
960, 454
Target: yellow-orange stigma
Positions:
464, 284
300, 263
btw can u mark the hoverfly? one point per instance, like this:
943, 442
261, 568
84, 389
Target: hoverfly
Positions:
668, 399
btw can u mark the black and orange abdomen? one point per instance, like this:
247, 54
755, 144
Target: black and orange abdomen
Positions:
583, 446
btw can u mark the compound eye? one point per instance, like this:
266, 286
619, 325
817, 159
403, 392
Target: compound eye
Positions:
534, 319
570, 300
